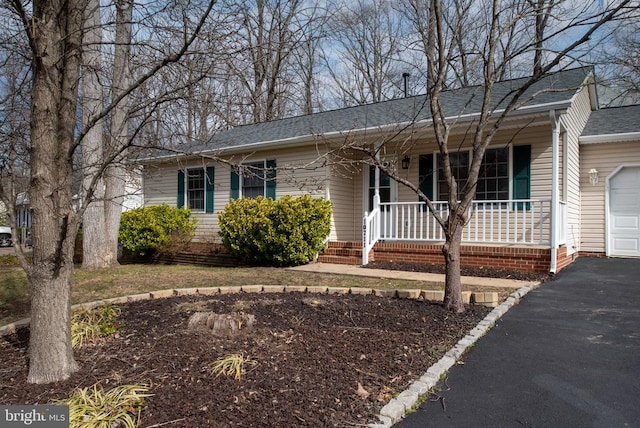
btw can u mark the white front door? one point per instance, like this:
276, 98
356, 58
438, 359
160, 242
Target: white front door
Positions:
624, 212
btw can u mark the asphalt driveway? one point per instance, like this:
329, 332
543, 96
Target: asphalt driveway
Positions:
567, 356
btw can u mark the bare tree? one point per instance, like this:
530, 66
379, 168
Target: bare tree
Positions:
54, 32
94, 247
307, 66
172, 118
543, 10
266, 39
14, 116
114, 176
621, 60
363, 55
499, 51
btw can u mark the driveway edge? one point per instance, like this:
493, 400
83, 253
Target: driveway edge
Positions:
396, 409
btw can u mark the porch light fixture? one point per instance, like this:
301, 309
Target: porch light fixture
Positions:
593, 176
405, 162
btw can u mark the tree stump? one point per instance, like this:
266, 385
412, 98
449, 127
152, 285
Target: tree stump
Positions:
222, 325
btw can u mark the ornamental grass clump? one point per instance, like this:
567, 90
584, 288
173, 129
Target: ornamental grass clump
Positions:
92, 325
92, 407
229, 365
289, 231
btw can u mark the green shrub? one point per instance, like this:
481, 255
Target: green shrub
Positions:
286, 232
156, 228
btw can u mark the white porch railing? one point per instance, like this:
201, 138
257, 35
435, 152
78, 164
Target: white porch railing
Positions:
370, 233
521, 221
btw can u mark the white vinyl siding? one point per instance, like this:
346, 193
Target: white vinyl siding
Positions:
345, 193
605, 158
574, 120
297, 175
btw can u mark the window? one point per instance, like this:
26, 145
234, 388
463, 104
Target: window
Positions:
459, 168
196, 189
493, 179
253, 182
494, 176
254, 179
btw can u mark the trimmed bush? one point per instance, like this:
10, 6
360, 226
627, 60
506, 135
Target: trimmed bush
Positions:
287, 232
158, 228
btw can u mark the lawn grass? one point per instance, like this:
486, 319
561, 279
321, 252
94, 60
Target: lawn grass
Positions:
90, 285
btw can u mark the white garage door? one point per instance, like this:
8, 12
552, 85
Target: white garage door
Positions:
624, 212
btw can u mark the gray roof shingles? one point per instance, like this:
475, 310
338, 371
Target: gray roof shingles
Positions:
613, 120
557, 87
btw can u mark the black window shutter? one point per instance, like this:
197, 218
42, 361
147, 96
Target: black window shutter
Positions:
271, 179
208, 185
180, 200
522, 174
235, 184
425, 175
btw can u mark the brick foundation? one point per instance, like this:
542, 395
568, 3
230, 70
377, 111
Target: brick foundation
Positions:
518, 258
525, 259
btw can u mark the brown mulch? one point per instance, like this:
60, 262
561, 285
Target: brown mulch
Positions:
309, 353
483, 272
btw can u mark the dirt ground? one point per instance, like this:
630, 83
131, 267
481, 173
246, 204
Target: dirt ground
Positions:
483, 272
315, 360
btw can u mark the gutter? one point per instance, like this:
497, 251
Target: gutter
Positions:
622, 137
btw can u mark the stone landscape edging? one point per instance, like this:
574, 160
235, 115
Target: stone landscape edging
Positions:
396, 409
483, 298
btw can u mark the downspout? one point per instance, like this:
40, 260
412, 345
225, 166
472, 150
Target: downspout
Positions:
555, 165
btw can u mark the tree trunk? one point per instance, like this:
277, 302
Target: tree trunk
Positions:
451, 251
115, 173
57, 33
50, 353
95, 252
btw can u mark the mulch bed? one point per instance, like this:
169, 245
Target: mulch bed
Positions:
309, 354
484, 272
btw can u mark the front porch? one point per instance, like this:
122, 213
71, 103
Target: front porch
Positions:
513, 257
509, 234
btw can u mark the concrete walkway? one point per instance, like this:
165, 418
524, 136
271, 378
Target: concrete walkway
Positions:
410, 276
567, 356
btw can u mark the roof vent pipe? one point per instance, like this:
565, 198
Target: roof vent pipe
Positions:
405, 77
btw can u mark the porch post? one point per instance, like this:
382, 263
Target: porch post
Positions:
365, 240
376, 192
376, 199
555, 161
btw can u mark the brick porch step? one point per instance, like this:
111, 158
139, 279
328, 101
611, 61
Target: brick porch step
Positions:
342, 252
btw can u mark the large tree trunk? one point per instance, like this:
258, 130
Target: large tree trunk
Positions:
451, 251
95, 252
119, 132
57, 33
50, 353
